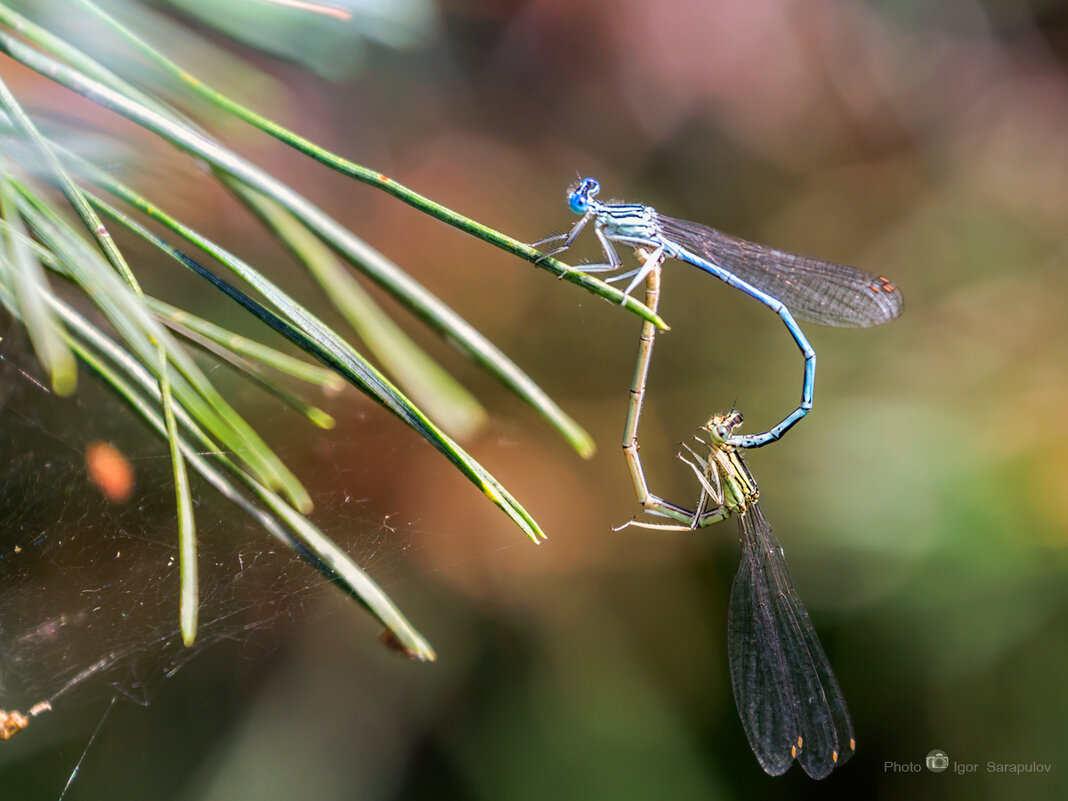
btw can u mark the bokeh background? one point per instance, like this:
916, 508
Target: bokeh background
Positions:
923, 505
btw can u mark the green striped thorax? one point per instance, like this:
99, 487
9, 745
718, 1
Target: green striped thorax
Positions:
737, 483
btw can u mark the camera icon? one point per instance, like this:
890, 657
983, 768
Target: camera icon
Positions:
937, 761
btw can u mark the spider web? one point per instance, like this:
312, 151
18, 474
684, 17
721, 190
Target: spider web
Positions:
89, 588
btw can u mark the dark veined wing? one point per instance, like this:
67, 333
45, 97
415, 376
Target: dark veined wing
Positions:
819, 291
787, 697
758, 667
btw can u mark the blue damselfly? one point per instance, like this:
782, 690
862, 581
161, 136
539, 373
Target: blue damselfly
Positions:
819, 291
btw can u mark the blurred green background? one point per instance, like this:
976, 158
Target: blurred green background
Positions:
923, 505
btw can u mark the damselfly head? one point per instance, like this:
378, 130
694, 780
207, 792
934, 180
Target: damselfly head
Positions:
580, 193
721, 426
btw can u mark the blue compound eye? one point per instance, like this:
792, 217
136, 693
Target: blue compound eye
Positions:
578, 197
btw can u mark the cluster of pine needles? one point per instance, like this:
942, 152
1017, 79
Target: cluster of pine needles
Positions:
58, 209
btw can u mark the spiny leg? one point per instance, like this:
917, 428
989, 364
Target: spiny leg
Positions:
708, 478
569, 238
613, 263
547, 239
652, 264
606, 246
701, 518
707, 519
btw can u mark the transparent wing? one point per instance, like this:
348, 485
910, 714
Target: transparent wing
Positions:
787, 697
819, 291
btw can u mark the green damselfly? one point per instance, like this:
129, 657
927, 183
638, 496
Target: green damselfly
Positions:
787, 696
